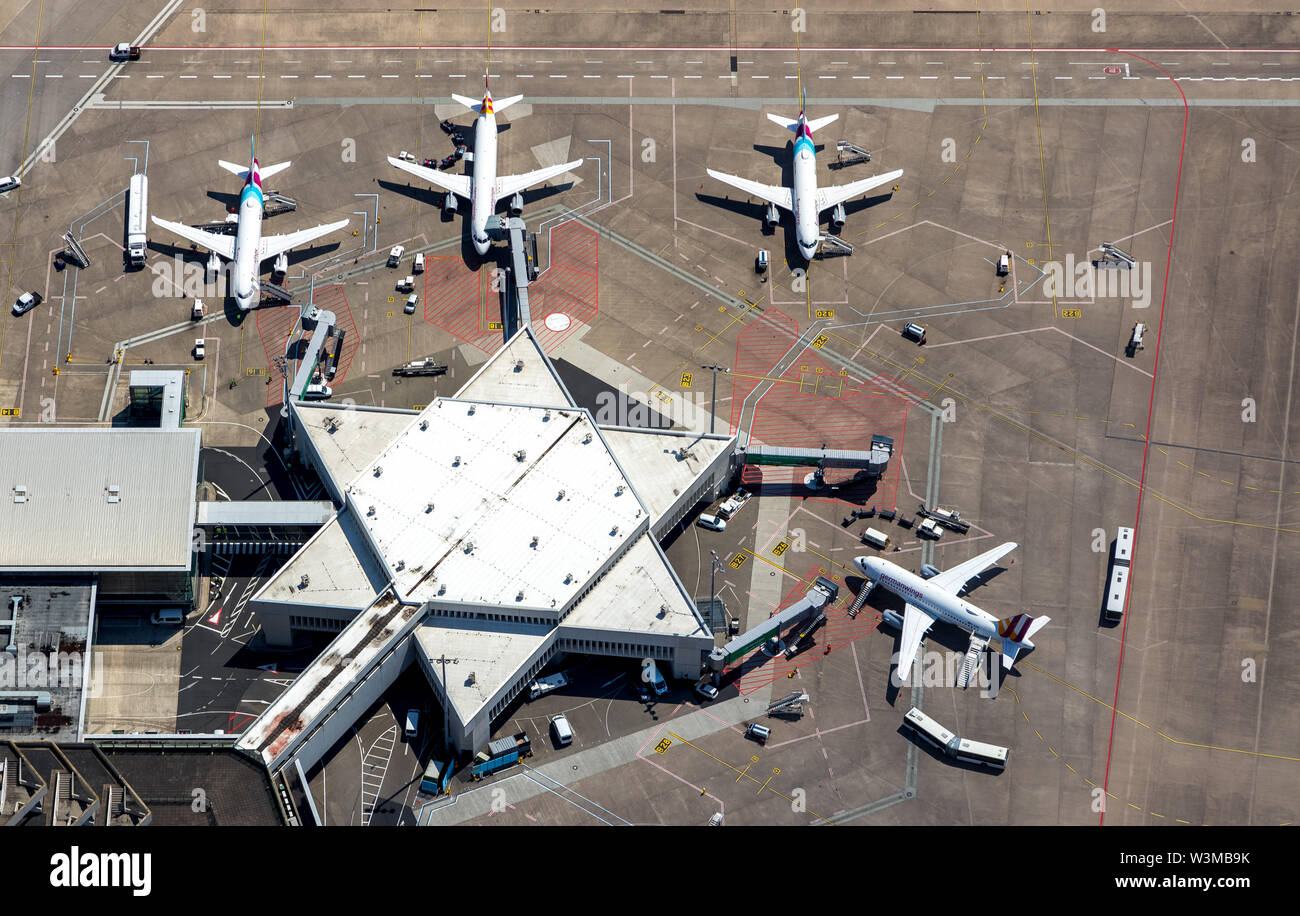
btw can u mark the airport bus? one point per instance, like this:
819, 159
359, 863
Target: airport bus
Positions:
436, 776
929, 729
989, 755
1117, 588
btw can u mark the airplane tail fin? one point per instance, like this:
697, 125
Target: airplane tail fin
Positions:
242, 170
818, 123
1017, 632
503, 104
474, 105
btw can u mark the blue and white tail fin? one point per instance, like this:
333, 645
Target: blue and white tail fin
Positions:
1017, 633
792, 125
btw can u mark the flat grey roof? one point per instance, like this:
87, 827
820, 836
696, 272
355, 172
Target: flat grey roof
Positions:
59, 510
266, 512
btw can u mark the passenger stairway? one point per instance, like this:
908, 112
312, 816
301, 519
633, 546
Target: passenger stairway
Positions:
860, 600
277, 292
275, 203
847, 154
969, 665
74, 253
792, 704
832, 246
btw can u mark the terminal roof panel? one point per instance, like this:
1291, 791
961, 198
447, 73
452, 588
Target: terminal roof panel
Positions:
663, 465
640, 593
348, 440
98, 499
517, 374
339, 568
496, 504
488, 653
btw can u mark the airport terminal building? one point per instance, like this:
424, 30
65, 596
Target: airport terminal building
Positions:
479, 538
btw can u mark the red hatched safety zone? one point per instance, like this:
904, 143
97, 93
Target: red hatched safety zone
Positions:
274, 325
461, 302
813, 405
757, 670
570, 287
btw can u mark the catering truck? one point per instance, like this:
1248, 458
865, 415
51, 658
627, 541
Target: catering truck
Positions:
137, 215
500, 754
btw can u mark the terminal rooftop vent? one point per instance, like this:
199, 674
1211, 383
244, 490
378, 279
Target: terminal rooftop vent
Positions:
520, 455
428, 507
424, 424
304, 581
401, 564
586, 439
455, 462
442, 588
471, 680
619, 491
469, 546
568, 577
370, 511
472, 408
560, 496
546, 416
113, 493
519, 365
613, 531
20, 493
379, 470
663, 611
520, 596
534, 542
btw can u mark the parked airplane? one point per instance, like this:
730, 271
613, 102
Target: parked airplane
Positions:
247, 248
928, 600
484, 187
804, 199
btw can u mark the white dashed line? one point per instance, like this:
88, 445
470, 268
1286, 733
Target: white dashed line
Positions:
388, 76
523, 76
218, 76
559, 76
692, 76
323, 76
184, 76
756, 76
591, 76
356, 76
288, 76
893, 77
929, 77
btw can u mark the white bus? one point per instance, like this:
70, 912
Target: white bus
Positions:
929, 729
137, 219
1117, 588
989, 755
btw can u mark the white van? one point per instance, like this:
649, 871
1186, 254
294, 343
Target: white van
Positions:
1139, 331
412, 723
875, 538
562, 731
418, 267
317, 393
712, 522
167, 617
411, 300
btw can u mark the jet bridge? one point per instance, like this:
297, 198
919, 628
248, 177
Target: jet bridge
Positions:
822, 593
321, 324
522, 271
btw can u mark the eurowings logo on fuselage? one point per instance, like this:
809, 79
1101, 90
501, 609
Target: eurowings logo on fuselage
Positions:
803, 139
253, 186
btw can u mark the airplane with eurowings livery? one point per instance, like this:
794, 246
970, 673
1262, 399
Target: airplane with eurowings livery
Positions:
937, 598
483, 188
247, 248
803, 198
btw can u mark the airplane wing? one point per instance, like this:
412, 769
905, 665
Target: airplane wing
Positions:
223, 245
952, 580
272, 245
456, 184
509, 184
916, 623
837, 194
773, 194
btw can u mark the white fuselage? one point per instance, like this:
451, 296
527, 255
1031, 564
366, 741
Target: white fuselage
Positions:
483, 202
934, 601
248, 237
803, 197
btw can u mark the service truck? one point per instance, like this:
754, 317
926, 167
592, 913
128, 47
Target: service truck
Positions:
137, 216
436, 776
544, 685
426, 366
500, 754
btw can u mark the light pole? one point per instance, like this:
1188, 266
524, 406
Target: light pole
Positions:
446, 701
714, 565
713, 408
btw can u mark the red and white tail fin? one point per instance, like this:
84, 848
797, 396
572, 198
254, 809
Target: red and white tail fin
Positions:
1017, 632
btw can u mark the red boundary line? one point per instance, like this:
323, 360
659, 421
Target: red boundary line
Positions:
1151, 406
